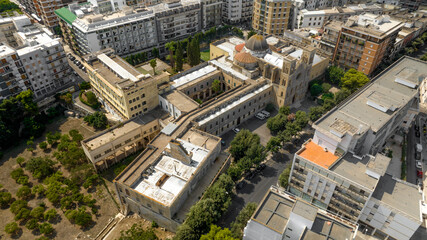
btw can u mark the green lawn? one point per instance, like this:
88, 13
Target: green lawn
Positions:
205, 55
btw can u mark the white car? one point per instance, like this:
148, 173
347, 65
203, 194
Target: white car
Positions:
265, 113
418, 164
236, 130
260, 116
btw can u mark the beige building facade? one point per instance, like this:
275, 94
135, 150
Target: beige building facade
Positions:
271, 16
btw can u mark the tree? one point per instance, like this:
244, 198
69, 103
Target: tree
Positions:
17, 205
353, 80
179, 57
201, 216
26, 99
39, 190
284, 176
193, 52
5, 199
46, 228
84, 85
269, 107
43, 145
274, 144
334, 74
218, 233
341, 95
75, 135
242, 142
24, 214
277, 123
20, 161
153, 64
52, 138
220, 192
328, 104
136, 232
242, 219
315, 90
24, 193
37, 213
8, 6
216, 86
98, 119
79, 217
285, 110
251, 33
17, 173
11, 228
185, 232
40, 167
50, 215
171, 47
315, 113
301, 119
155, 53
326, 87
32, 224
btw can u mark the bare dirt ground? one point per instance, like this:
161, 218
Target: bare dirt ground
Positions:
63, 228
127, 223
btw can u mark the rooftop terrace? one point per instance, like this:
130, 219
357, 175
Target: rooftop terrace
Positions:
367, 108
400, 195
317, 155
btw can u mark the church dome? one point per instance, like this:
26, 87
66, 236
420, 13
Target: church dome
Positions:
244, 57
257, 43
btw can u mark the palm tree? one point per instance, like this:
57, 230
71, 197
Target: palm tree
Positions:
171, 47
153, 64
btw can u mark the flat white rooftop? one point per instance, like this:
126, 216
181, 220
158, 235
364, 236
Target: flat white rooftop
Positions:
298, 53
6, 50
232, 105
115, 67
176, 173
192, 76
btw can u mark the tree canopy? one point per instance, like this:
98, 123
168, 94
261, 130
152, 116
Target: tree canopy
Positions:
98, 120
353, 80
136, 232
334, 74
217, 233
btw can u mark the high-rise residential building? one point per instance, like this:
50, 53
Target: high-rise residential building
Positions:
129, 30
237, 11
320, 4
363, 42
411, 5
124, 91
39, 61
211, 13
341, 170
13, 78
272, 16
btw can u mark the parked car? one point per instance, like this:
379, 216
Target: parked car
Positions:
222, 142
260, 116
417, 155
417, 134
419, 173
420, 183
417, 128
261, 166
83, 69
266, 114
236, 130
75, 73
418, 164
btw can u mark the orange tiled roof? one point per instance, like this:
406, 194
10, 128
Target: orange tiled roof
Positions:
318, 155
239, 47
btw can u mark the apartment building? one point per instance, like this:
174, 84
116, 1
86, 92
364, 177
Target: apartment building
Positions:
237, 11
211, 13
123, 90
39, 61
363, 123
13, 78
363, 42
358, 189
317, 18
272, 16
281, 216
321, 4
114, 144
129, 30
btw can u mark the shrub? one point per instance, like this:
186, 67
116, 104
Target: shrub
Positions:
84, 85
39, 190
24, 193
43, 145
23, 180
284, 176
11, 228
32, 224
23, 214
269, 107
50, 215
315, 90
91, 99
5, 199
97, 120
20, 161
37, 213
17, 205
154, 224
46, 228
17, 173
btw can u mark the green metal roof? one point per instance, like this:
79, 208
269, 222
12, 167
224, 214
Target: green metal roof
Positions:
66, 15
